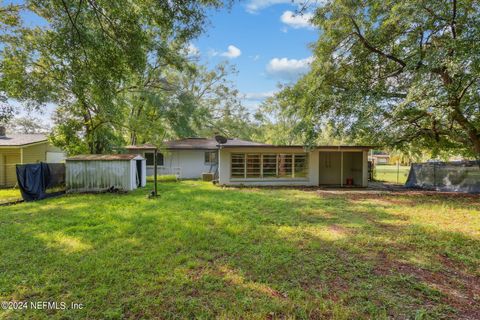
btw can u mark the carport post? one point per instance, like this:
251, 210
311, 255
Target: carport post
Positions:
155, 172
341, 168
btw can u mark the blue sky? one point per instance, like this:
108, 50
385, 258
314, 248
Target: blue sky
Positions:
264, 39
272, 42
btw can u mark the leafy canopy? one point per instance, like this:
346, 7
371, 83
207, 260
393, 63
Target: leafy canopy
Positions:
84, 55
397, 73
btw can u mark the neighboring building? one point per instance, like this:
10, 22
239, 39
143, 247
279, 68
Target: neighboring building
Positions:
381, 158
240, 162
21, 149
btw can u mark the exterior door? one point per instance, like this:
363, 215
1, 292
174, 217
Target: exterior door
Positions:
329, 168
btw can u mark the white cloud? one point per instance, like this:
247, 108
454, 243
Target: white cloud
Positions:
255, 57
232, 52
297, 21
253, 6
192, 50
255, 96
288, 69
212, 53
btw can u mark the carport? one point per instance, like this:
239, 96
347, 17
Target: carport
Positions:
343, 166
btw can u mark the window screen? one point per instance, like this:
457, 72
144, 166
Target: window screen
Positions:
238, 165
284, 164
301, 165
253, 165
270, 165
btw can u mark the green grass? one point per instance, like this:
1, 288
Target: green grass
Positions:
388, 173
9, 194
201, 251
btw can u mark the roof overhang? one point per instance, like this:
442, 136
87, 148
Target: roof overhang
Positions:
18, 146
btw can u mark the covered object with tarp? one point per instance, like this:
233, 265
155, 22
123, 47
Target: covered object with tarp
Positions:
35, 178
445, 176
103, 172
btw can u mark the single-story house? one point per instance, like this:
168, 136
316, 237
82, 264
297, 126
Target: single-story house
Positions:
187, 158
22, 149
240, 162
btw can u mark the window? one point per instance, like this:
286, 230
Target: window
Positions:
269, 165
253, 165
210, 157
150, 162
301, 165
284, 164
238, 165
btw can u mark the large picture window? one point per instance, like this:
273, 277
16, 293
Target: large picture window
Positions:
265, 166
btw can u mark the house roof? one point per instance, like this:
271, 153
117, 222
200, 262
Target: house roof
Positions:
207, 144
146, 146
325, 147
105, 157
15, 140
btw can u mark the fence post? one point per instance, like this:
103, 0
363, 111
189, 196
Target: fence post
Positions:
398, 169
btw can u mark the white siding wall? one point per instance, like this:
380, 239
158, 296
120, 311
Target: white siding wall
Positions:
188, 164
224, 170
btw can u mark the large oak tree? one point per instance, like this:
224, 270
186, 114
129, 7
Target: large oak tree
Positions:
398, 73
83, 55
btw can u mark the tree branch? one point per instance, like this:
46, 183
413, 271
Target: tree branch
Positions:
370, 47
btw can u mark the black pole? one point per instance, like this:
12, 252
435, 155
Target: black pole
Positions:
155, 172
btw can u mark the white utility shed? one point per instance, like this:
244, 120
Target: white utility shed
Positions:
100, 172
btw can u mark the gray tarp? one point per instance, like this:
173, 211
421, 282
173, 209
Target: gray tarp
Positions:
445, 176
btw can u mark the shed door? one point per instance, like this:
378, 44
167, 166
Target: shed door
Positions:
139, 173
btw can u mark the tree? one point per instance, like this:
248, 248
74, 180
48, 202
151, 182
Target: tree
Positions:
81, 55
27, 125
397, 73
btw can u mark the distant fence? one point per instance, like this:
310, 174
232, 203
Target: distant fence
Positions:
445, 176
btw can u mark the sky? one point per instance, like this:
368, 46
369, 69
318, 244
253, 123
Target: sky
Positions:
264, 39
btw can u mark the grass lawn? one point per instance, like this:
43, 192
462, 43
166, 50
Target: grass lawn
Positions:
204, 251
388, 173
9, 194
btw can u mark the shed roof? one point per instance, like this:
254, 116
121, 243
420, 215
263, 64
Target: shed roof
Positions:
105, 157
15, 140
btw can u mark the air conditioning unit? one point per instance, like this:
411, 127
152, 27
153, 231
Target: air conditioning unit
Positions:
207, 176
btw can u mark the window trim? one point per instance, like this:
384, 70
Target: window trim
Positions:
159, 154
273, 178
209, 153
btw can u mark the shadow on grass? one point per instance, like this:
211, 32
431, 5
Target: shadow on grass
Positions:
201, 251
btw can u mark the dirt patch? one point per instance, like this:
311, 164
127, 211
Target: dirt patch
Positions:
459, 289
